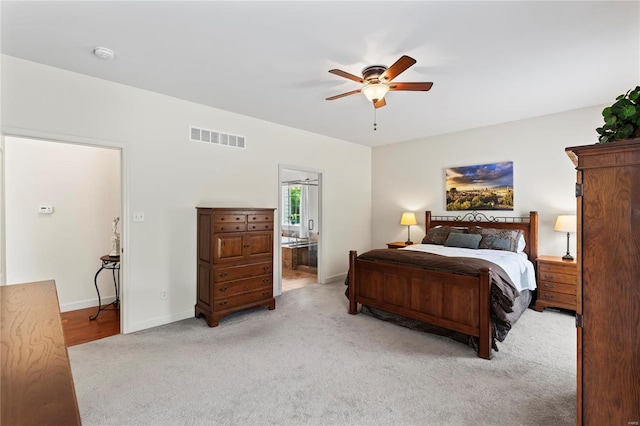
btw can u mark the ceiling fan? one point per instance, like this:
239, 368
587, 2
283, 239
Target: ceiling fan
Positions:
376, 80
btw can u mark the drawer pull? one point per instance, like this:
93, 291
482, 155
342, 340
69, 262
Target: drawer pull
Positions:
549, 277
266, 280
265, 268
223, 274
223, 288
224, 302
246, 245
549, 286
549, 296
265, 293
237, 218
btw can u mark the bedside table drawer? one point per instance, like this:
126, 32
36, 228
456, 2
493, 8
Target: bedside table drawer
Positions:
558, 288
559, 298
557, 274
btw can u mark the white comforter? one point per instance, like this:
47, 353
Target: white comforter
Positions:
516, 265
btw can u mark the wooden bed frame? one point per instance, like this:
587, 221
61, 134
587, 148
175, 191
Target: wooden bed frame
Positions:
455, 302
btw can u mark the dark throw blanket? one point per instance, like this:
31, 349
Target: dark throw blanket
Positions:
503, 291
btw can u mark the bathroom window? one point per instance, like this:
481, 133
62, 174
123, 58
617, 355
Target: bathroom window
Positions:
291, 205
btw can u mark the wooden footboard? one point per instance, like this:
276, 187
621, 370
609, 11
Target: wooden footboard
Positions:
455, 302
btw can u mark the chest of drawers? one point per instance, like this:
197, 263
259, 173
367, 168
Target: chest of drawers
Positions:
557, 283
235, 261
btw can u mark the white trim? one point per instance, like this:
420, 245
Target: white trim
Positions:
155, 322
125, 327
3, 244
339, 277
90, 303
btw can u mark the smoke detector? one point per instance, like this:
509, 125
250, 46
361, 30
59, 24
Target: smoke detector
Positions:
104, 53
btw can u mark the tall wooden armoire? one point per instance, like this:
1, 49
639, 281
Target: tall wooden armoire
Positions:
608, 311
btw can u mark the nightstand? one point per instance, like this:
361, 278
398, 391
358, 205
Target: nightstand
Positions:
397, 245
557, 283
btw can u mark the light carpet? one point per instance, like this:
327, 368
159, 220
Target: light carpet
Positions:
310, 362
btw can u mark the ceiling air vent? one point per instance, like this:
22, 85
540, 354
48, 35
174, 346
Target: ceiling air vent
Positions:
198, 134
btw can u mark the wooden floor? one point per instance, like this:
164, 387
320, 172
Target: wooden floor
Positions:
79, 329
294, 278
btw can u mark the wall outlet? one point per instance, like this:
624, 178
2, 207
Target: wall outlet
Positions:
138, 216
163, 295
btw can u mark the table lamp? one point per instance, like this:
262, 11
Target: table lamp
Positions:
566, 223
408, 219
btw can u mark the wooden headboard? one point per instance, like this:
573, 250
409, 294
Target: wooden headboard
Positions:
527, 224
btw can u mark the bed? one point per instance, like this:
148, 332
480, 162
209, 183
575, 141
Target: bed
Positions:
463, 294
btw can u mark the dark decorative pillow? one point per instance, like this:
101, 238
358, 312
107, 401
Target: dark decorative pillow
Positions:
474, 229
439, 234
500, 239
436, 235
457, 239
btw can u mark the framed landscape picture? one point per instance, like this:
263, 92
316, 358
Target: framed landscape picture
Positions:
480, 187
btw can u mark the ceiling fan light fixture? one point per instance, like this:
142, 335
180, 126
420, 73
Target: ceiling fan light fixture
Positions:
375, 92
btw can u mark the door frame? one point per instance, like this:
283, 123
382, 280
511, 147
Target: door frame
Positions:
278, 227
124, 201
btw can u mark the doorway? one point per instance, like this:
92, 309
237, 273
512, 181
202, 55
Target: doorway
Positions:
61, 200
299, 217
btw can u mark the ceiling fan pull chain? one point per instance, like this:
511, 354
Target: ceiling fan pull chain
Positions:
374, 119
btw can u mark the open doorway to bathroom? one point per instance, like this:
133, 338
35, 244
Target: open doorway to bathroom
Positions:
300, 227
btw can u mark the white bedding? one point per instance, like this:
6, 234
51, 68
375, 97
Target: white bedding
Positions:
516, 265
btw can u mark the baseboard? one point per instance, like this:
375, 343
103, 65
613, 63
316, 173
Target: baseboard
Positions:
83, 304
339, 277
156, 322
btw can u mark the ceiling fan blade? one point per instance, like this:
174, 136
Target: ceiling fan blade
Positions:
411, 86
342, 95
380, 103
398, 67
347, 75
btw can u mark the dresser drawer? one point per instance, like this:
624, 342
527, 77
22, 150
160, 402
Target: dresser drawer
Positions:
260, 226
242, 299
232, 288
557, 287
558, 274
229, 227
230, 218
244, 271
260, 217
559, 298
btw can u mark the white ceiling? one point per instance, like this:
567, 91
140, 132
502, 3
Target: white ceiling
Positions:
490, 62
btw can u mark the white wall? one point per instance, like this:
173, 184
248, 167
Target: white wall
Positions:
411, 175
82, 184
167, 176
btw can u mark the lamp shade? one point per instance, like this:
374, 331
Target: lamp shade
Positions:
375, 92
565, 223
408, 218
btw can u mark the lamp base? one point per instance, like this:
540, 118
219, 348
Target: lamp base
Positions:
567, 257
408, 242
